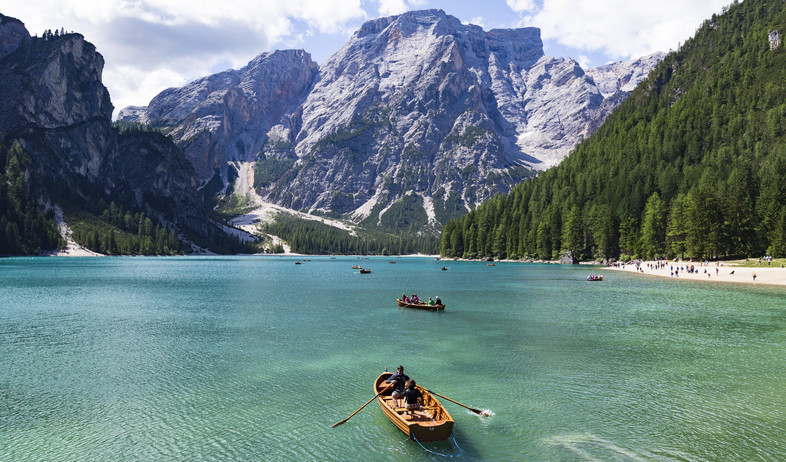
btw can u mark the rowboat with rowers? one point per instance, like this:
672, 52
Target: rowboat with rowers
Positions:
420, 306
429, 423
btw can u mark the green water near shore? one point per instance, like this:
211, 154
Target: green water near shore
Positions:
253, 358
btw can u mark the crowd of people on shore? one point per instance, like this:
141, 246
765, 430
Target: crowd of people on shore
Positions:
676, 267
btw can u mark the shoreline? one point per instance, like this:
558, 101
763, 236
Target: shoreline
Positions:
723, 272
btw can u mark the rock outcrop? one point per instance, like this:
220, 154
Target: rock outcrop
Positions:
226, 117
53, 103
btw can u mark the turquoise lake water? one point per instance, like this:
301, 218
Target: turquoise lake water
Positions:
254, 358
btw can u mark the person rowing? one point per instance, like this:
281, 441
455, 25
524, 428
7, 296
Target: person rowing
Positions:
399, 381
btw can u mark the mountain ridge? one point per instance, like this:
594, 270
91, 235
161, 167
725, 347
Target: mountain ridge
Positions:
55, 115
690, 166
412, 104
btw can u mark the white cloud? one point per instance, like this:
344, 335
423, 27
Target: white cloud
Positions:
149, 45
392, 7
396, 7
521, 5
619, 28
478, 21
129, 81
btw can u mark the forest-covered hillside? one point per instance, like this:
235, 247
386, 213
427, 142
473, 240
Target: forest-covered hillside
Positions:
691, 165
23, 228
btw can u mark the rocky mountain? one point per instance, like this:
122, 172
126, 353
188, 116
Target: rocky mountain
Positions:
418, 114
54, 105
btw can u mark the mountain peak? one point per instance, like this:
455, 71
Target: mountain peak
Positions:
12, 34
415, 110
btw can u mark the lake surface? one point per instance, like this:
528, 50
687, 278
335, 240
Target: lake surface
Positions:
254, 358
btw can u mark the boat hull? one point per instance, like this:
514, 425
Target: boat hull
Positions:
420, 306
433, 423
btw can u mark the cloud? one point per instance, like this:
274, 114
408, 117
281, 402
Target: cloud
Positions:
478, 21
521, 5
392, 7
395, 7
618, 28
148, 43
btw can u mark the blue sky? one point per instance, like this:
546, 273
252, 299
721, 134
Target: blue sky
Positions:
150, 45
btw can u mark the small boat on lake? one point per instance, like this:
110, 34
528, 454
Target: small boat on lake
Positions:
595, 277
430, 423
420, 306
357, 267
444, 268
365, 271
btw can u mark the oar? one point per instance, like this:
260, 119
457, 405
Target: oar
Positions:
361, 407
476, 411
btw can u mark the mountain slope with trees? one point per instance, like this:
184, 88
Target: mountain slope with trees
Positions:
690, 165
124, 189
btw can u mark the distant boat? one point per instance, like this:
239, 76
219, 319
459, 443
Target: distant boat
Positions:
491, 264
420, 306
392, 262
298, 263
594, 277
357, 267
365, 271
444, 268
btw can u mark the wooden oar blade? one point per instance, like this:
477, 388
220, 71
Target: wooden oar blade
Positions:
361, 407
338, 423
476, 411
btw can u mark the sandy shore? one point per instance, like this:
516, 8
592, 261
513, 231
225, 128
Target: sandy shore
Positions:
720, 272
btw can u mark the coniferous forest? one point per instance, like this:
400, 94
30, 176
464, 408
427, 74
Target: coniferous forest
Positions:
315, 238
23, 228
691, 165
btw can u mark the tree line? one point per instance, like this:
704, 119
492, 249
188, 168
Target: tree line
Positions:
120, 232
691, 165
315, 238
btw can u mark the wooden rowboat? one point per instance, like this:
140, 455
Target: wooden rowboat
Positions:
365, 271
595, 278
357, 267
431, 423
420, 306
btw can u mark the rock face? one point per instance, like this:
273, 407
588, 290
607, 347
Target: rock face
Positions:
568, 259
415, 112
12, 34
226, 117
53, 103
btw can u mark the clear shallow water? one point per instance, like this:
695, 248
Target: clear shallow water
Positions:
253, 358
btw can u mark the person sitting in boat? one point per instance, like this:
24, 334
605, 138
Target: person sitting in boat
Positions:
412, 397
415, 298
399, 380
438, 301
404, 298
431, 301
